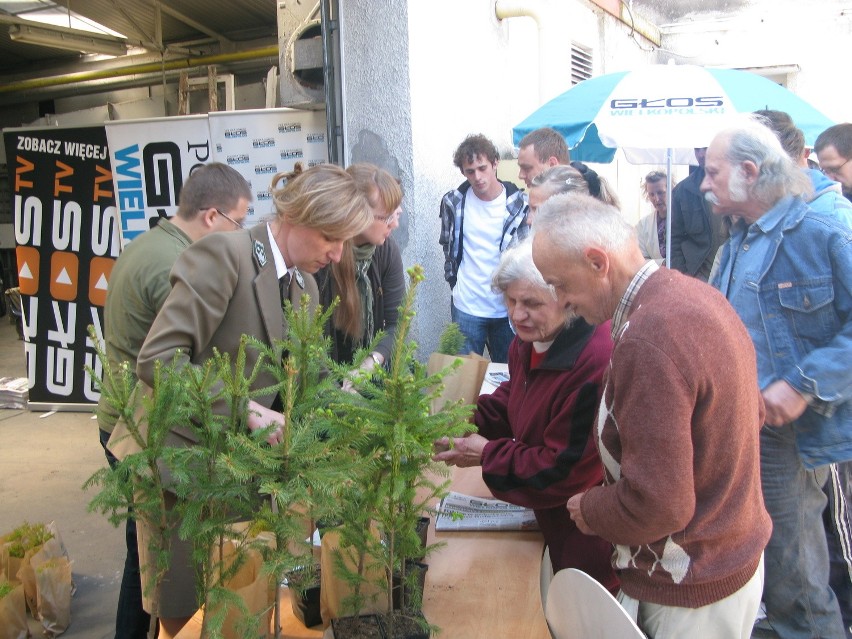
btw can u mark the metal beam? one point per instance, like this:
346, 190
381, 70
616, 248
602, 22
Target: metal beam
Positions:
192, 23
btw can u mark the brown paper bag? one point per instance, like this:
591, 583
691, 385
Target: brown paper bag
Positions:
13, 615
53, 548
252, 586
54, 587
463, 383
6, 571
333, 589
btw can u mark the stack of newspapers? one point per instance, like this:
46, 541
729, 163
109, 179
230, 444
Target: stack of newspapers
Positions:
464, 512
13, 392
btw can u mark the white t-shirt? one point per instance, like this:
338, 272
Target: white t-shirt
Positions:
483, 230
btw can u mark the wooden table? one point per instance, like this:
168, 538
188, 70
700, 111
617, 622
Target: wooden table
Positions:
484, 585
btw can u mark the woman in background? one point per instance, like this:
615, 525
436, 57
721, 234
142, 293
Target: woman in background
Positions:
369, 278
562, 178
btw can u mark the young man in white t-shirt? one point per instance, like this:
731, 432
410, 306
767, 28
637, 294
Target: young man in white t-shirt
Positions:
480, 219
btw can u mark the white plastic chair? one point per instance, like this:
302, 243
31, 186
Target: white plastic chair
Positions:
545, 575
578, 607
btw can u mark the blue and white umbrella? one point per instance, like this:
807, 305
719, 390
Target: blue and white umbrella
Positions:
652, 109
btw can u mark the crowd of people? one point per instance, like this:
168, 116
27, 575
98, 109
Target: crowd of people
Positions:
679, 422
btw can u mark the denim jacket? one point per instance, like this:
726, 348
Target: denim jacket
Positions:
789, 277
452, 225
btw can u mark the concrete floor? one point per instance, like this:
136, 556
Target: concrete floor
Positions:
44, 461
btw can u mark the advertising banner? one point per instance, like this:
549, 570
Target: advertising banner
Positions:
261, 143
67, 240
151, 159
82, 193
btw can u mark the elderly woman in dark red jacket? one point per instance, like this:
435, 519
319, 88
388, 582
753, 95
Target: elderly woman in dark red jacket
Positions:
535, 442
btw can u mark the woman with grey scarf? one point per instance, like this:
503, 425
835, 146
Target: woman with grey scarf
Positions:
369, 280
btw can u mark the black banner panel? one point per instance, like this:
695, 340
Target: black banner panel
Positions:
67, 236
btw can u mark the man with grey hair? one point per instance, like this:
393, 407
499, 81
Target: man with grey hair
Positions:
687, 520
787, 271
538, 151
827, 198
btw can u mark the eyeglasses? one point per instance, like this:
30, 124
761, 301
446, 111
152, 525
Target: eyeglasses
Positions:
388, 219
834, 170
239, 225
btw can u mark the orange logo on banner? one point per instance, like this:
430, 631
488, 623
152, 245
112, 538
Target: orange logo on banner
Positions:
100, 268
64, 273
28, 263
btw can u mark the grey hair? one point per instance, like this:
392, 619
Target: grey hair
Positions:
516, 264
560, 179
752, 141
574, 222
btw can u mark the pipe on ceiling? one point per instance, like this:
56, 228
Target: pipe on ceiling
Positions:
136, 69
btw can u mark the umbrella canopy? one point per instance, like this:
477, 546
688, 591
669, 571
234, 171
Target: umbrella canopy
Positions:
660, 107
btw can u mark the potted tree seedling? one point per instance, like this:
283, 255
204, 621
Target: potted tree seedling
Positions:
207, 480
139, 479
400, 482
230, 474
305, 474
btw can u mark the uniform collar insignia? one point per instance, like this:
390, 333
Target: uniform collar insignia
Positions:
299, 279
260, 253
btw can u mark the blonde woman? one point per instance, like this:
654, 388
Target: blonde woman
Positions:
226, 285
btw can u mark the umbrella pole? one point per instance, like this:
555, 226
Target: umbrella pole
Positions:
668, 207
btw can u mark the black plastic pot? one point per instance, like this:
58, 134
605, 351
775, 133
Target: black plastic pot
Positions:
306, 604
422, 528
406, 592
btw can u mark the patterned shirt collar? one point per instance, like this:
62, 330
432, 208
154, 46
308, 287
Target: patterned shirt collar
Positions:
619, 319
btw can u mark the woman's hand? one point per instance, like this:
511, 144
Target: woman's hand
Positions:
465, 451
260, 417
373, 360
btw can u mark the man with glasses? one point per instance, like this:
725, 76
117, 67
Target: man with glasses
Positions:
834, 151
214, 198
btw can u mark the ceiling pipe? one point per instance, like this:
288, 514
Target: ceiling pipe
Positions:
554, 42
137, 69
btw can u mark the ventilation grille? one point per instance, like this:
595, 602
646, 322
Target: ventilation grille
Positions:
581, 63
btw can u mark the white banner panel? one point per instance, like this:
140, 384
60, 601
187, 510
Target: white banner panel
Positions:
151, 159
260, 143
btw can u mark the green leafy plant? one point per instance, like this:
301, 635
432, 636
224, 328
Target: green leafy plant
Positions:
451, 340
139, 481
25, 537
306, 474
5, 588
364, 460
400, 481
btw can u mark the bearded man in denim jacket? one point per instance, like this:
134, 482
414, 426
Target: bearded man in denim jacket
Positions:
787, 270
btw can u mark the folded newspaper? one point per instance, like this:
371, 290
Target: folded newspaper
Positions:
14, 392
464, 512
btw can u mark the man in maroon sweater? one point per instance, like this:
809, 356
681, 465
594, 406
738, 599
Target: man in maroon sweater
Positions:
677, 428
